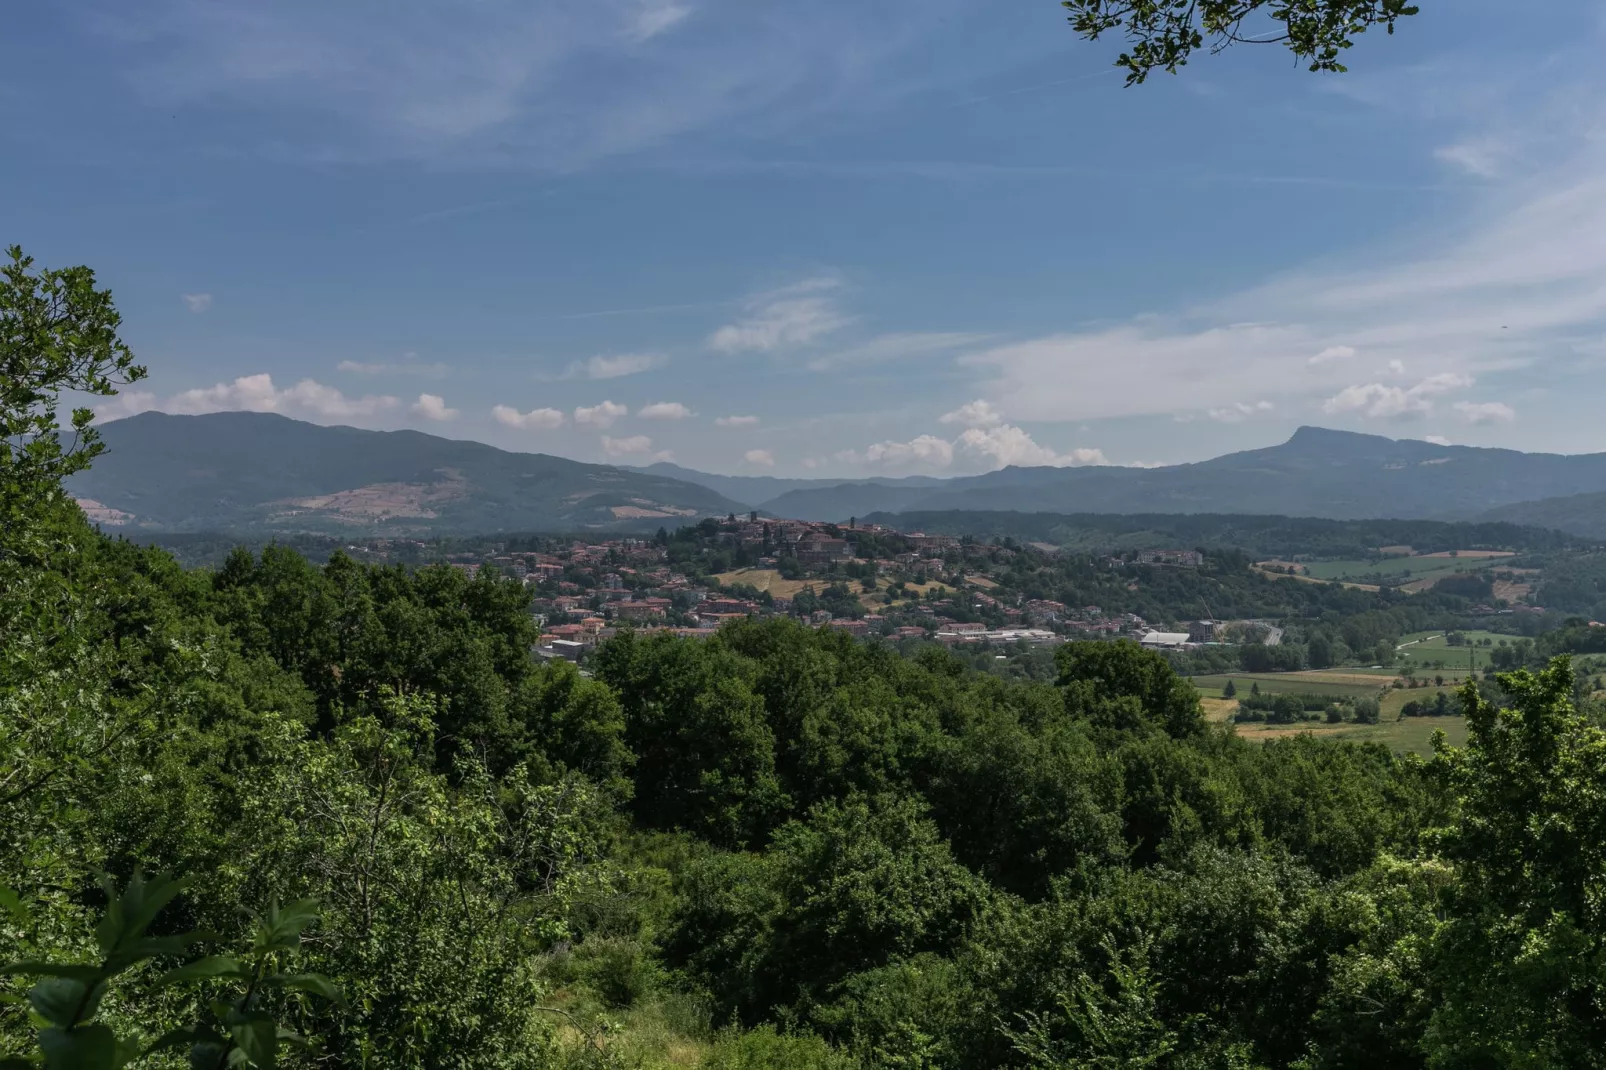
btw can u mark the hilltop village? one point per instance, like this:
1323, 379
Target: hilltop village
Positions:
863, 579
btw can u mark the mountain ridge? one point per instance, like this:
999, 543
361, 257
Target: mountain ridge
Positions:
267, 473
248, 471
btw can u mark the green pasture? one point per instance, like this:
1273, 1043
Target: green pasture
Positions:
1417, 652
1413, 734
1284, 683
1401, 569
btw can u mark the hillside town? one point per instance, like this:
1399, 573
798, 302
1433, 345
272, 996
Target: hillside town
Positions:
866, 580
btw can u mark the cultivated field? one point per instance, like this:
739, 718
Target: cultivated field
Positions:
1405, 569
1417, 653
1410, 735
1273, 575
767, 579
1338, 684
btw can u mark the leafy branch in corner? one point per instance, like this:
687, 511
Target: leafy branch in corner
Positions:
233, 1032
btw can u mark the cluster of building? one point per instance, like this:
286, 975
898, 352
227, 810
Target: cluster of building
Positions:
587, 591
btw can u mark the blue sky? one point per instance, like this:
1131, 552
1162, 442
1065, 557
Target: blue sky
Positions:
835, 239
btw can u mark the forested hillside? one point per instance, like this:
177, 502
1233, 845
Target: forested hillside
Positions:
776, 847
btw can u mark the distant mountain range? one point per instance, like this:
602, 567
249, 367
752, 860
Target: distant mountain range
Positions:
261, 472
1316, 473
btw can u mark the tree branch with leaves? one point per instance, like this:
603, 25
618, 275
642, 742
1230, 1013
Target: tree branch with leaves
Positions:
1164, 34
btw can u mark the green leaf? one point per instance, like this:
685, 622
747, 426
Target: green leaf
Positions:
281, 928
201, 969
130, 913
316, 983
87, 974
173, 1038
12, 904
65, 1002
90, 1047
127, 1051
207, 1054
257, 1035
150, 947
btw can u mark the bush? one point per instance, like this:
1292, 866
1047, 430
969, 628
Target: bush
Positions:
620, 971
765, 1049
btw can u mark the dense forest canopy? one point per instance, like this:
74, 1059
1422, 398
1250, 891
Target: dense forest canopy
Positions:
775, 847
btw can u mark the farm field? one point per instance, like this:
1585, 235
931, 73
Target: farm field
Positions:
1417, 652
1434, 567
1337, 684
768, 579
1413, 734
1271, 575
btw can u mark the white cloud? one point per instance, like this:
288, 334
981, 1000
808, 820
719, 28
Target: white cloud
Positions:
1391, 402
534, 420
127, 403
792, 316
1486, 412
256, 393
926, 450
896, 346
405, 367
634, 446
736, 421
197, 303
976, 413
433, 407
600, 415
760, 457
1482, 157
1332, 353
1006, 445
1437, 440
664, 410
1238, 411
1514, 284
655, 17
616, 366
1396, 367
553, 86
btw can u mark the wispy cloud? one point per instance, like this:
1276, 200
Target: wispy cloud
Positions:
635, 446
762, 458
409, 366
257, 393
1513, 291
555, 85
433, 407
654, 17
1394, 402
996, 445
602, 414
534, 420
791, 316
1332, 353
736, 421
616, 366
1238, 411
1005, 445
1486, 412
664, 410
897, 346
126, 403
197, 303
978, 413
